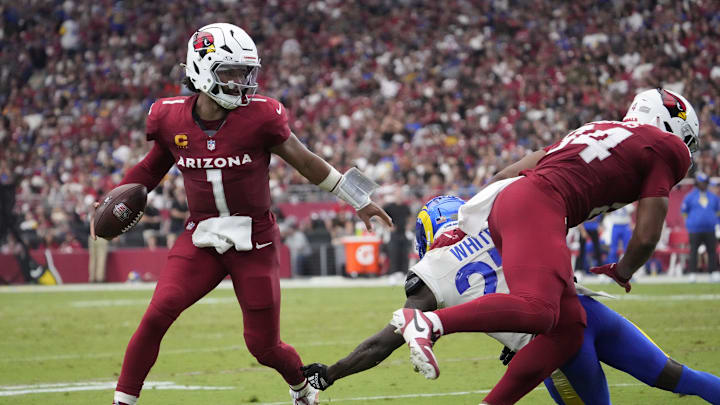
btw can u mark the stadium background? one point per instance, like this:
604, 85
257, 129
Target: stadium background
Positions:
426, 97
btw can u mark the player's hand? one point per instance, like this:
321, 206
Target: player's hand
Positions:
506, 355
92, 220
374, 210
316, 374
610, 270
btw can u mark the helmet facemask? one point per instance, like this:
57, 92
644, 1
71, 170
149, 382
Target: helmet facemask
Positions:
234, 83
687, 135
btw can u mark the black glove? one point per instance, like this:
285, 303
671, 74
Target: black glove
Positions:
506, 355
316, 374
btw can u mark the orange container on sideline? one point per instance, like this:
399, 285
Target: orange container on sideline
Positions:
362, 254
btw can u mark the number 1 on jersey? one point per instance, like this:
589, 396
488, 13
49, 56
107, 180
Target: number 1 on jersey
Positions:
214, 176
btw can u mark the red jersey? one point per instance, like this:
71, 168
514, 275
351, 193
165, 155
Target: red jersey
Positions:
604, 165
225, 173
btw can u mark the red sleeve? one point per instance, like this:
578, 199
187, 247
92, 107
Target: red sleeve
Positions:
151, 125
276, 129
667, 163
151, 169
659, 180
448, 238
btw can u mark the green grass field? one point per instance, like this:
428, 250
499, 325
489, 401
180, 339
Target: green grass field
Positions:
71, 343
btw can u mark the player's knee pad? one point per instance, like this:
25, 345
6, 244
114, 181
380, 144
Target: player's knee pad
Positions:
170, 300
155, 321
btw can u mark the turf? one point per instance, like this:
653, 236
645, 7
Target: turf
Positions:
80, 337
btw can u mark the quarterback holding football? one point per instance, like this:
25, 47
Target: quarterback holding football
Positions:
221, 139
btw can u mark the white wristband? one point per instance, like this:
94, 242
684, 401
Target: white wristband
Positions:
331, 181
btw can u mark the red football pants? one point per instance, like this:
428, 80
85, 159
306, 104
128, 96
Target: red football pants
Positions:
189, 274
527, 224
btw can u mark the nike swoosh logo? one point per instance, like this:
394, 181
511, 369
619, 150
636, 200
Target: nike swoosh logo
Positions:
417, 325
260, 246
279, 109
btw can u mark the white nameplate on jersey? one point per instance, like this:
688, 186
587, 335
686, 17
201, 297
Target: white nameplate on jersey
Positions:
213, 163
211, 144
471, 245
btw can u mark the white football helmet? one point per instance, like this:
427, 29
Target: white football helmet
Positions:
222, 62
668, 111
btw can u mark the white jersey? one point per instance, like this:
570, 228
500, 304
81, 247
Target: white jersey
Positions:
469, 269
464, 271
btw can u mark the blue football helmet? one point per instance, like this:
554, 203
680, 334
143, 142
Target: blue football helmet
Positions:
436, 215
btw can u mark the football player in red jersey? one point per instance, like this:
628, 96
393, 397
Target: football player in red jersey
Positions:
221, 140
597, 168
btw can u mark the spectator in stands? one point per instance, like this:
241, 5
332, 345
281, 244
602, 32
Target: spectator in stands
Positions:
70, 243
97, 251
320, 240
434, 109
399, 246
7, 201
701, 208
298, 244
150, 223
178, 214
589, 229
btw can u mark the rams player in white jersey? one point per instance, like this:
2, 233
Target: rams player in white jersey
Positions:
456, 268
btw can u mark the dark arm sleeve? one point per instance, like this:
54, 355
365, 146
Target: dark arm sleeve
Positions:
151, 169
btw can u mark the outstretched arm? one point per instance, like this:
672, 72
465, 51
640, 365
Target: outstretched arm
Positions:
373, 350
319, 172
648, 229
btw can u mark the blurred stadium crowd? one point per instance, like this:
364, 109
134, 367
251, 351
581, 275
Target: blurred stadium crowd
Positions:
426, 97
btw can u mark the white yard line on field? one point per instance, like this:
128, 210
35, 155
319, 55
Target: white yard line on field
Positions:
143, 302
13, 390
231, 300
422, 395
329, 282
71, 356
675, 297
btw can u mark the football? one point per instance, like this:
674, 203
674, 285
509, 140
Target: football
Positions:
120, 210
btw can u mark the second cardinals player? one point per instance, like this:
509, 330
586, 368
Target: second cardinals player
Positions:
221, 139
597, 168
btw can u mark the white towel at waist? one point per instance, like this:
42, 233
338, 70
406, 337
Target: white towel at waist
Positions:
222, 233
473, 215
